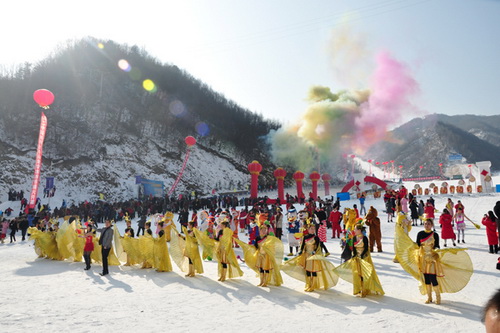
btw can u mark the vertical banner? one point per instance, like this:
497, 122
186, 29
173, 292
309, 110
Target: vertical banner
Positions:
38, 162
49, 183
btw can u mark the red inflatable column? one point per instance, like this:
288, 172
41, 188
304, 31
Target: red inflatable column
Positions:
255, 168
299, 177
280, 175
314, 177
326, 179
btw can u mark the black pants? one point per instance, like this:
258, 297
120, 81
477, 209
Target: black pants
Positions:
13, 236
431, 279
23, 232
105, 253
279, 233
86, 256
323, 246
139, 230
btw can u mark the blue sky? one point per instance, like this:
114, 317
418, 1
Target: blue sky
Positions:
265, 55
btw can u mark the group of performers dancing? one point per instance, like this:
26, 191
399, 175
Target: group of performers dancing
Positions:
447, 270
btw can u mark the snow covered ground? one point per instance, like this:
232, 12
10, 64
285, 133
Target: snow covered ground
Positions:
44, 295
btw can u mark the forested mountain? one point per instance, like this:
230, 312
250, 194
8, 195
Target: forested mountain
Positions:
105, 127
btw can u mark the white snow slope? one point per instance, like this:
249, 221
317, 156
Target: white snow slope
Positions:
41, 295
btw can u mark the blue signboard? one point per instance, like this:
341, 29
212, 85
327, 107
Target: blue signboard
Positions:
343, 196
152, 187
455, 157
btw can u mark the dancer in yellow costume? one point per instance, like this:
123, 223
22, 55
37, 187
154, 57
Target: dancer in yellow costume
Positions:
64, 238
131, 248
162, 261
264, 257
359, 270
146, 247
310, 266
78, 242
403, 223
45, 243
184, 251
168, 220
445, 271
222, 247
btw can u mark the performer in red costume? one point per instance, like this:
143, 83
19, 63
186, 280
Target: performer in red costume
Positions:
335, 218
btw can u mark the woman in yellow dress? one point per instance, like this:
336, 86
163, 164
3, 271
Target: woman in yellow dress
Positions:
45, 243
445, 271
359, 270
162, 261
184, 250
131, 246
264, 257
222, 247
310, 265
403, 223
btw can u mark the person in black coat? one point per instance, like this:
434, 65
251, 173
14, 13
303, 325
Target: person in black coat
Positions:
105, 241
23, 225
13, 226
414, 211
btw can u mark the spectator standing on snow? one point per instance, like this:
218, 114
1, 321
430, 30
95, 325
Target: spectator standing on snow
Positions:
421, 211
13, 226
414, 211
362, 209
489, 221
141, 225
23, 225
105, 241
496, 210
5, 228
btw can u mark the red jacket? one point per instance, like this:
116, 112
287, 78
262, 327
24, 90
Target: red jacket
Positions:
491, 230
429, 211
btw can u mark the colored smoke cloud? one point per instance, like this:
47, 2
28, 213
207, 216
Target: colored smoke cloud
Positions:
392, 88
347, 121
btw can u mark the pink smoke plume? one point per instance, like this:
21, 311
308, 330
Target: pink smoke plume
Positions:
392, 88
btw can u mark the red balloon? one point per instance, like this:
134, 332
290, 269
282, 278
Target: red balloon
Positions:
43, 97
190, 141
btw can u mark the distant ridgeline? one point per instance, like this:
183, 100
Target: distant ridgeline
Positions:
429, 141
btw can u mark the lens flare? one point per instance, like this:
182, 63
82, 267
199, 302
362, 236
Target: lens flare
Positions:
100, 45
202, 129
149, 85
177, 108
124, 65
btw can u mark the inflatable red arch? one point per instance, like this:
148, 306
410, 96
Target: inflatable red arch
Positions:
368, 179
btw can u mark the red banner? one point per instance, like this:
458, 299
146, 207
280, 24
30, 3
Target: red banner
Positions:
38, 162
180, 173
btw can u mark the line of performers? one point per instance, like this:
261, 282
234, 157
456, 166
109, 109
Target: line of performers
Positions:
447, 270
